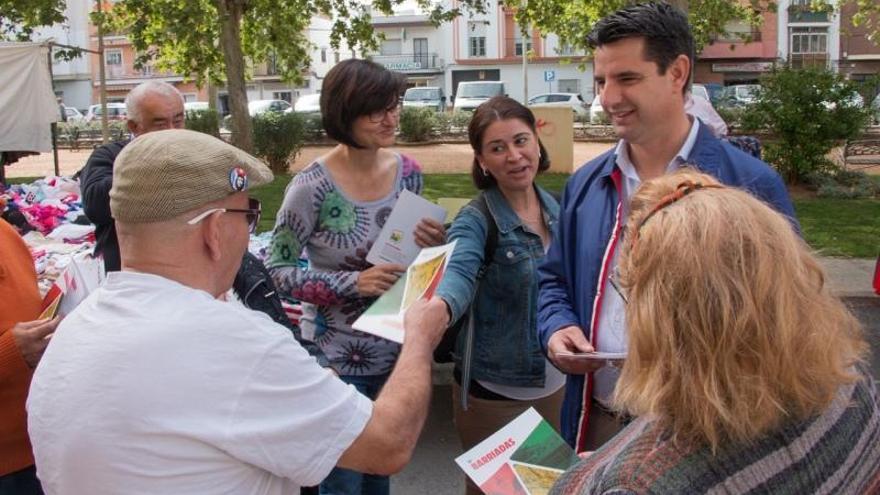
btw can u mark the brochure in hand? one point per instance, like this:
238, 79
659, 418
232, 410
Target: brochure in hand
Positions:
385, 317
396, 242
76, 282
524, 458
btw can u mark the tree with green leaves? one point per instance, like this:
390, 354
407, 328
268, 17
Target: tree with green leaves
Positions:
806, 112
572, 20
19, 18
214, 40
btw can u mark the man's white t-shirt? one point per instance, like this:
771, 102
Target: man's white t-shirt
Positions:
152, 387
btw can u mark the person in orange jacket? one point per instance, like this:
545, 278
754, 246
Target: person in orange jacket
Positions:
22, 342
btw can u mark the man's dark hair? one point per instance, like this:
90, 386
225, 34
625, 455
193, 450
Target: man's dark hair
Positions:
353, 88
664, 28
496, 109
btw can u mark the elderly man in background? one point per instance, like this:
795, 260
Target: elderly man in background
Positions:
150, 106
157, 384
23, 339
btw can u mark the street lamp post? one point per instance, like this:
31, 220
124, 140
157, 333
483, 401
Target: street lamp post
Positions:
105, 132
525, 64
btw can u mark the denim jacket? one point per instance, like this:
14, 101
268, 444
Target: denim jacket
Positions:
504, 347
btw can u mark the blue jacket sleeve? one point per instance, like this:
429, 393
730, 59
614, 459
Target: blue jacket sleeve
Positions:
773, 191
555, 309
469, 230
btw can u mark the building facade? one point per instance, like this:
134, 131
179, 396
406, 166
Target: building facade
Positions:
859, 58
72, 80
741, 55
489, 47
809, 36
120, 72
414, 47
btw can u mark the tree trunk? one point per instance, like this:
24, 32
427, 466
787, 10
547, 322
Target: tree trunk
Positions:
230, 42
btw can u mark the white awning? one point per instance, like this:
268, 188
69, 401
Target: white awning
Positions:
27, 102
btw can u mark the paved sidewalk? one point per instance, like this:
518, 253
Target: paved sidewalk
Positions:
850, 277
434, 158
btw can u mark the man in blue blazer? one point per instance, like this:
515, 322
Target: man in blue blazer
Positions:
643, 57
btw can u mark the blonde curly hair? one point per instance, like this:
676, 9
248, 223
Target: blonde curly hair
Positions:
731, 329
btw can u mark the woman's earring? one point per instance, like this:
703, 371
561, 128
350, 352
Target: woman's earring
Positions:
485, 172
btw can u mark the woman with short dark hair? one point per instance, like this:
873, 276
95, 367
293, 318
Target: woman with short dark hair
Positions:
333, 211
500, 370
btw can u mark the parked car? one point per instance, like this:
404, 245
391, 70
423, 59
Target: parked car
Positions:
715, 90
471, 93
196, 105
257, 107
73, 115
425, 97
572, 100
597, 113
875, 107
115, 111
739, 95
701, 91
307, 104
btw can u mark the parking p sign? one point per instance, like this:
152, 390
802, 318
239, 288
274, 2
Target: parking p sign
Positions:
549, 75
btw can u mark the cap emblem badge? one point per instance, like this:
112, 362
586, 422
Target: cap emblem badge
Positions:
238, 179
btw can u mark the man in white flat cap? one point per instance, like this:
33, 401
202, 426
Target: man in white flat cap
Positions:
157, 384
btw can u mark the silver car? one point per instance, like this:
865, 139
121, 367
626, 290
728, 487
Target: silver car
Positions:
572, 100
597, 113
425, 97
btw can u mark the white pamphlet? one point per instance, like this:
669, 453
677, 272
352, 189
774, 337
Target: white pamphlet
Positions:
596, 356
396, 242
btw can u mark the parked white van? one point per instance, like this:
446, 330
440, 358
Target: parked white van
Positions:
471, 93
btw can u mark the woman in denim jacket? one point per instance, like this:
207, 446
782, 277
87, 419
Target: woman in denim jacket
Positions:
500, 370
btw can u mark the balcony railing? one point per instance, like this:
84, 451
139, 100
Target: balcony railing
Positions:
410, 62
806, 13
752, 37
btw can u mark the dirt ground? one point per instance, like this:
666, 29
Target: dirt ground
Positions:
435, 158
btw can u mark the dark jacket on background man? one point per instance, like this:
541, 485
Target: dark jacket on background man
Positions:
95, 181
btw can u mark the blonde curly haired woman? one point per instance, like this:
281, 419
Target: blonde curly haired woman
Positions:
744, 374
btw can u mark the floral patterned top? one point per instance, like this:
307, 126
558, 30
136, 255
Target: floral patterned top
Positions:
336, 233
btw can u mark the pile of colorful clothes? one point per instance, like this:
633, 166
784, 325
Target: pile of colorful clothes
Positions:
49, 215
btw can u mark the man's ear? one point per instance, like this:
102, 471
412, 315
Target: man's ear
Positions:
211, 235
680, 70
132, 126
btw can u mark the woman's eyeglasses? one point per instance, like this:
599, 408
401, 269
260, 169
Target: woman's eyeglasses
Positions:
379, 116
252, 214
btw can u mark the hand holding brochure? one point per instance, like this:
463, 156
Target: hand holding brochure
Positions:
526, 457
396, 242
385, 317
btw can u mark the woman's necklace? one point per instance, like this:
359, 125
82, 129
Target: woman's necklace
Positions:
537, 224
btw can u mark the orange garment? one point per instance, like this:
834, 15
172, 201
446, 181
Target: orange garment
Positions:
19, 301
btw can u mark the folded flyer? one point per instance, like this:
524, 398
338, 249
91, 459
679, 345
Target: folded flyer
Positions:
385, 317
594, 356
396, 242
526, 457
79, 278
